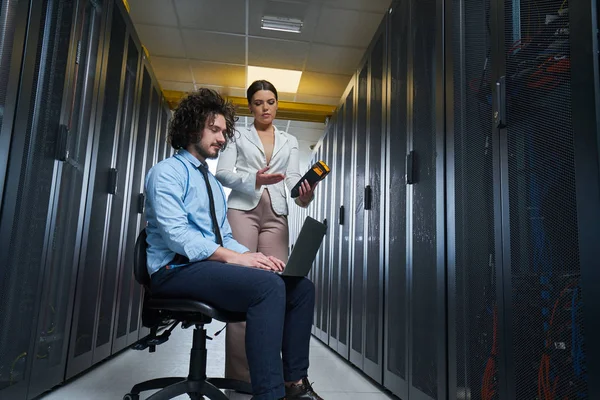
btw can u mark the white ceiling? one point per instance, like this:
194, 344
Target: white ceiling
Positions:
195, 43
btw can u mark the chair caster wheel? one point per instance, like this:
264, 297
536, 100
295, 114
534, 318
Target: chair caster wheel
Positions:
131, 396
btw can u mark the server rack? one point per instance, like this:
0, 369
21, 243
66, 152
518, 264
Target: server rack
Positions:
13, 25
332, 226
153, 135
316, 212
164, 120
540, 236
121, 166
67, 152
125, 278
584, 19
473, 257
526, 233
397, 284
154, 127
31, 178
488, 252
93, 320
374, 223
137, 220
340, 259
427, 323
322, 304
346, 239
336, 200
357, 310
408, 344
74, 149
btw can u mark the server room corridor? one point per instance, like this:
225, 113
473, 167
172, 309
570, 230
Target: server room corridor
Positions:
461, 202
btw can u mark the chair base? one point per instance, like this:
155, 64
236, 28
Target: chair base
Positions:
196, 385
173, 387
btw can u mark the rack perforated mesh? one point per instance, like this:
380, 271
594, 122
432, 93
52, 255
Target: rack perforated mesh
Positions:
477, 330
424, 268
544, 254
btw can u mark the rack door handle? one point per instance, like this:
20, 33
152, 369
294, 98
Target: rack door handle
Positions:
113, 180
62, 143
410, 167
368, 197
500, 112
141, 203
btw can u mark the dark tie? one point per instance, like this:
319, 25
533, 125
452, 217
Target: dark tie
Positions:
213, 215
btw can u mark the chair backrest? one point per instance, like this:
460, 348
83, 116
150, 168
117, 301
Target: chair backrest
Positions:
140, 268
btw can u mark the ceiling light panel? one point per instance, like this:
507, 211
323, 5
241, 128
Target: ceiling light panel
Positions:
285, 80
281, 24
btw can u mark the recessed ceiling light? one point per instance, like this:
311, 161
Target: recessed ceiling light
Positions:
282, 24
284, 80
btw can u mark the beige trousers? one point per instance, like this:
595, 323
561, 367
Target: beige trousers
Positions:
260, 230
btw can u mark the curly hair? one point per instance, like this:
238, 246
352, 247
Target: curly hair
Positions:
190, 116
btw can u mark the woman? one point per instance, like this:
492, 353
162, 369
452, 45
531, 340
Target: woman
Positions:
257, 167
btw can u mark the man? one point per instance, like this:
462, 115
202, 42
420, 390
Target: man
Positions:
192, 254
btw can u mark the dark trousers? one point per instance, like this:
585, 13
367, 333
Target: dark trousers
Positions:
279, 312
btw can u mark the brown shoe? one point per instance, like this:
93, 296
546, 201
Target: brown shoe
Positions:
301, 391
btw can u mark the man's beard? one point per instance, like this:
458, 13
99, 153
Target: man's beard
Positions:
206, 154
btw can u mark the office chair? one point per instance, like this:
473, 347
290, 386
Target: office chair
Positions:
162, 314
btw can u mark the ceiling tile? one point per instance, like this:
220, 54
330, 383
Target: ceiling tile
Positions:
226, 75
308, 98
334, 59
378, 6
154, 12
211, 15
222, 90
171, 69
216, 47
306, 11
234, 92
178, 86
161, 41
274, 53
347, 27
323, 84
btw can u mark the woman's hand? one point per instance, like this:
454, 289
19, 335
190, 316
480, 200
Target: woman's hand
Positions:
267, 179
306, 193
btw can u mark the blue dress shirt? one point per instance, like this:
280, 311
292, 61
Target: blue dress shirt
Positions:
178, 213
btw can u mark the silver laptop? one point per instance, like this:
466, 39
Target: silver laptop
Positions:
306, 248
